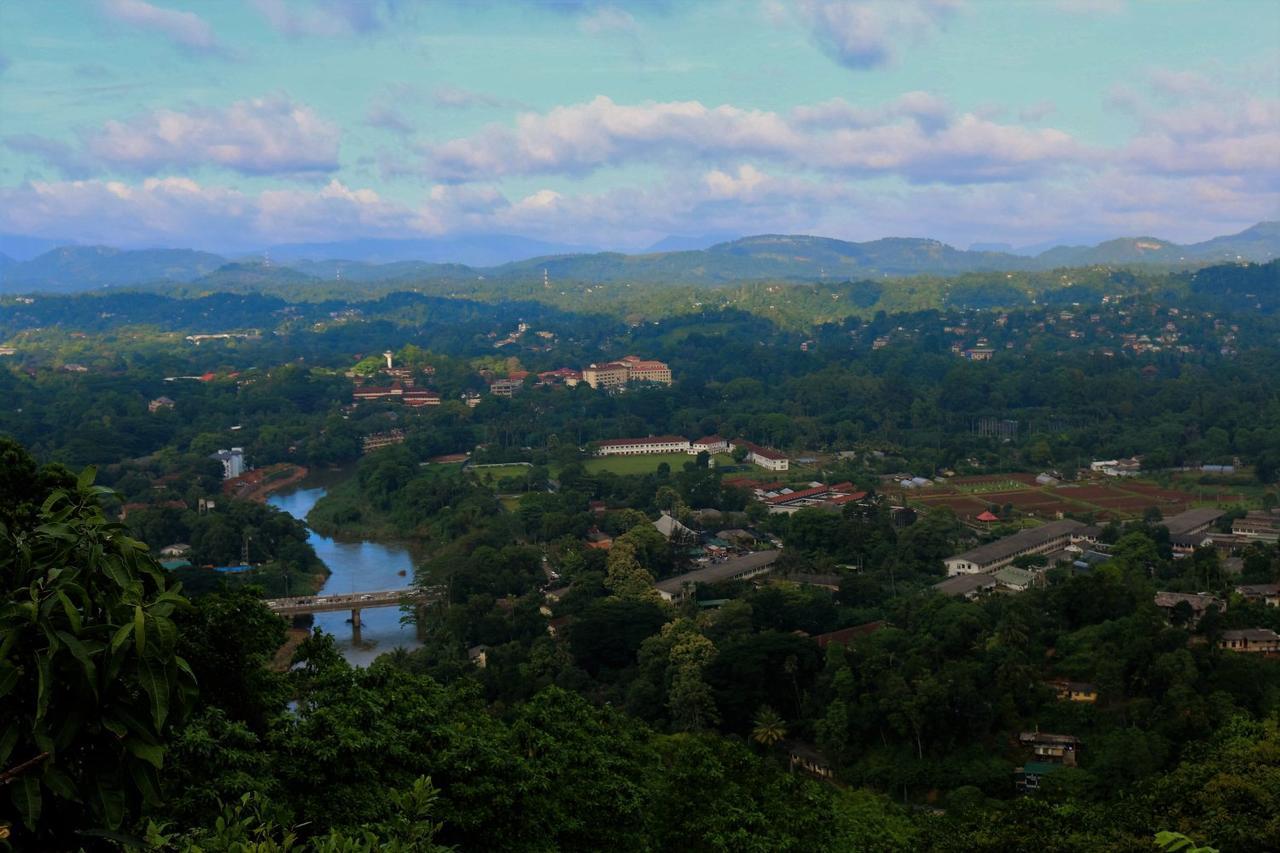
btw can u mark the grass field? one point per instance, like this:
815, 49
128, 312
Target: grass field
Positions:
498, 472
647, 464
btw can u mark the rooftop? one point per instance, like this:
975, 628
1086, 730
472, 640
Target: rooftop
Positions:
718, 571
1184, 522
1023, 539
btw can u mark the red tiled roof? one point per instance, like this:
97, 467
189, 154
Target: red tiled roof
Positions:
987, 516
709, 439
846, 499
844, 635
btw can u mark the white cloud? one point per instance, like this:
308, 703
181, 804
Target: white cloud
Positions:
259, 136
326, 18
606, 20
864, 34
186, 30
915, 136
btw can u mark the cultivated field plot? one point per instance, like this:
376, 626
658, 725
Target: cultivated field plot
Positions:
968, 497
647, 464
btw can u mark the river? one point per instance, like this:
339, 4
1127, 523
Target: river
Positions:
356, 567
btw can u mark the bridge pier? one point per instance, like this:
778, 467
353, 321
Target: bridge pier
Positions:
355, 625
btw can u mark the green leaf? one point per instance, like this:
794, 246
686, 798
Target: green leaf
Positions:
155, 682
26, 799
87, 476
121, 637
42, 686
139, 629
9, 675
108, 801
151, 753
147, 780
58, 782
8, 740
81, 654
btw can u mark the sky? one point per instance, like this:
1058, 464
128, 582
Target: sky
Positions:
238, 124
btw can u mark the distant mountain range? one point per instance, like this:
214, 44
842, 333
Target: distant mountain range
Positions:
770, 256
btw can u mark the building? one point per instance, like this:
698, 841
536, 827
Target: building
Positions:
673, 531
808, 760
712, 444
232, 462
966, 586
765, 457
1260, 524
1192, 521
1267, 593
735, 568
1051, 748
610, 374
1251, 641
845, 636
632, 368
159, 404
1075, 691
992, 556
378, 440
505, 387
1014, 578
1199, 602
416, 397
394, 391
641, 446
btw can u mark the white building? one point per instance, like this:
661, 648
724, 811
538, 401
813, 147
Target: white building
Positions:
232, 462
764, 457
640, 446
712, 444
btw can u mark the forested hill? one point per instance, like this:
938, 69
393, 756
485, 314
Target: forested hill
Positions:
775, 257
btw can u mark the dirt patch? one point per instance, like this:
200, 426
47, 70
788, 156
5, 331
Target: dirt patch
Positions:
284, 655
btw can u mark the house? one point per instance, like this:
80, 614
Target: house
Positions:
1075, 691
996, 555
673, 531
1011, 577
1192, 521
966, 586
159, 404
378, 440
232, 462
505, 387
1250, 640
178, 549
1267, 593
1258, 524
478, 656
1199, 602
1051, 748
415, 397
734, 568
765, 457
712, 444
394, 391
808, 760
641, 446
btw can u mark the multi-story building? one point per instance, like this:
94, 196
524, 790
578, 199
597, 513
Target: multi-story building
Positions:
232, 462
505, 387
640, 446
765, 457
415, 397
1259, 524
993, 556
712, 444
610, 374
632, 368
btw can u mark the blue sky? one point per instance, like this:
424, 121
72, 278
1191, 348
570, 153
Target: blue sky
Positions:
241, 123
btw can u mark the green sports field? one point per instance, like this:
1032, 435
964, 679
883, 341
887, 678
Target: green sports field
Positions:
623, 465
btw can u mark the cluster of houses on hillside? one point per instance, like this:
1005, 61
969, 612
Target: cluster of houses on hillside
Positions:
764, 457
610, 375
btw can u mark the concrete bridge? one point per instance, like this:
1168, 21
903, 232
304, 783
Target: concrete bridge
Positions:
354, 601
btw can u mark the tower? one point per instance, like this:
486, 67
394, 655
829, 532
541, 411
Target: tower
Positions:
387, 356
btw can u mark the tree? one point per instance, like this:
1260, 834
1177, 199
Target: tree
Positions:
90, 681
769, 727
626, 578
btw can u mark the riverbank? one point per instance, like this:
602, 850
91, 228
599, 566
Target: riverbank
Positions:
344, 514
260, 483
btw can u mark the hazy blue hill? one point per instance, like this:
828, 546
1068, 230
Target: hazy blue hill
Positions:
678, 243
1259, 243
1126, 250
88, 267
361, 271
6, 262
471, 250
251, 275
